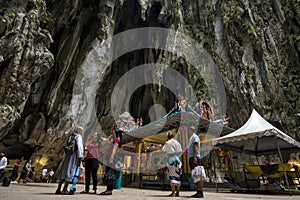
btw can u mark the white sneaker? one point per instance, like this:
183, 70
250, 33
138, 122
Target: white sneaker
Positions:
13, 182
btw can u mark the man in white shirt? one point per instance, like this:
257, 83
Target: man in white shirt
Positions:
70, 164
3, 163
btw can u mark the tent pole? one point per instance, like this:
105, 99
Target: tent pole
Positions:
256, 147
284, 171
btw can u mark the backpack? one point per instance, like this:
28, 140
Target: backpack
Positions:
70, 147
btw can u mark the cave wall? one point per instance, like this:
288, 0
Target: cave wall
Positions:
44, 46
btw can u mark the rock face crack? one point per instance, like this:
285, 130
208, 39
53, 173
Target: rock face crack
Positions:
25, 56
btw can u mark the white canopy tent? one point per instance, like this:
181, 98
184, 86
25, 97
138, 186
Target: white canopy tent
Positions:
258, 137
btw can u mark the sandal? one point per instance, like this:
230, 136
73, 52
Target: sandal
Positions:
84, 192
105, 193
171, 195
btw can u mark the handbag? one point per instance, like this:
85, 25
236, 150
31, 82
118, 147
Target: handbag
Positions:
198, 174
171, 160
109, 177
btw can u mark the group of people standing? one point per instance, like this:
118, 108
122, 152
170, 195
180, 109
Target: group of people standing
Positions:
173, 149
47, 177
71, 164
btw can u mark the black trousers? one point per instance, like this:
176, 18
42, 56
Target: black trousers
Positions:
2, 174
14, 174
109, 187
91, 168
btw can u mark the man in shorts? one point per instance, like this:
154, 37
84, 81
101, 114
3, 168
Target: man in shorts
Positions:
195, 159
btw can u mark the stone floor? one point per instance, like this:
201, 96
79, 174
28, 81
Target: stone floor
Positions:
44, 191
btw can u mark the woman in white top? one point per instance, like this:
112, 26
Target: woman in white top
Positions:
173, 149
44, 173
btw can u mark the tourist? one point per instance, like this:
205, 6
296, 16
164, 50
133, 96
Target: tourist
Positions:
15, 172
3, 164
91, 164
173, 149
195, 159
70, 163
43, 177
51, 176
26, 171
115, 139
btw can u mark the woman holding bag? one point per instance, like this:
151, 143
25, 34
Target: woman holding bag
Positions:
112, 174
173, 149
195, 160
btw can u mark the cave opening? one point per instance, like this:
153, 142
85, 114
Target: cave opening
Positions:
143, 103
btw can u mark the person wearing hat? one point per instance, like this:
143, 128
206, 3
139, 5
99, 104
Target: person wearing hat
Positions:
195, 159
